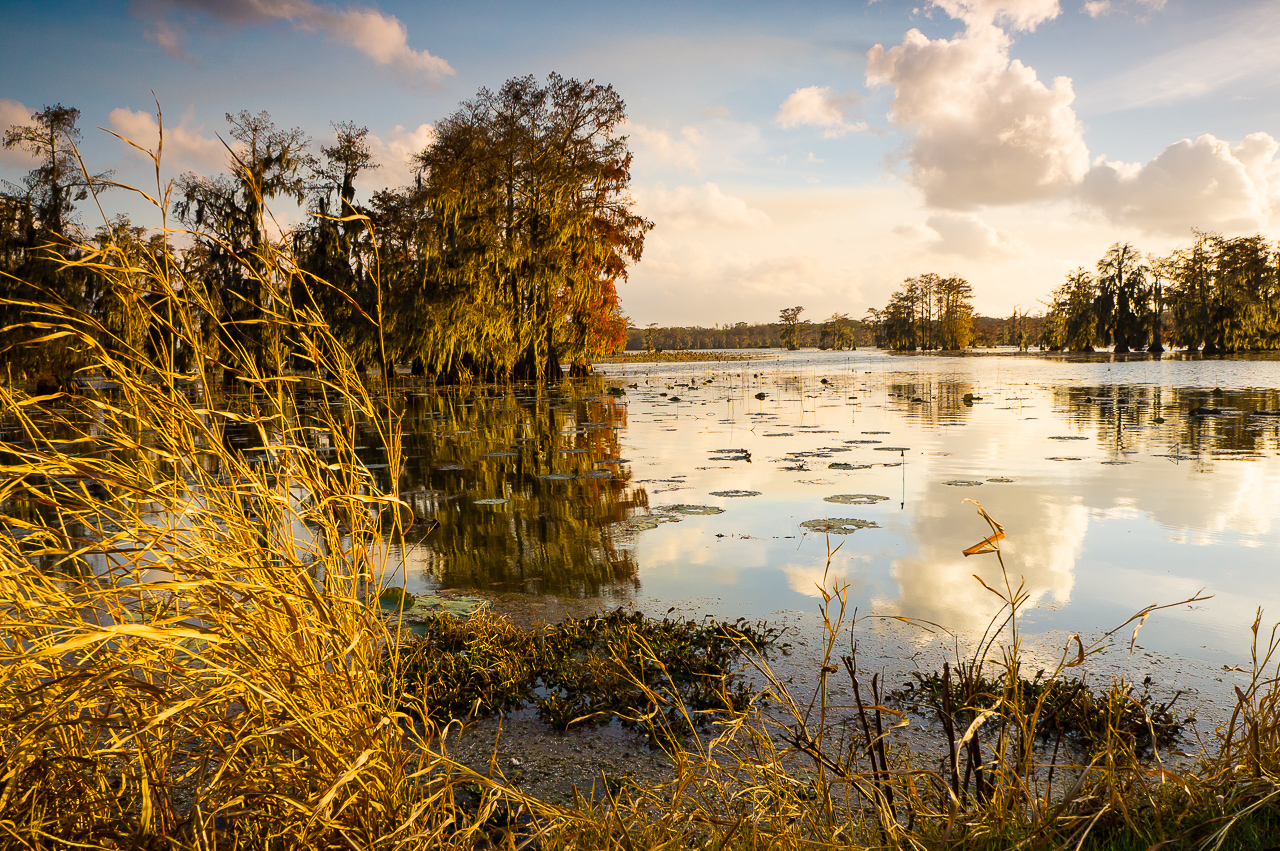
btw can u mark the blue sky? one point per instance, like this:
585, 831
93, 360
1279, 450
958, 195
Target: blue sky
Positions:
812, 154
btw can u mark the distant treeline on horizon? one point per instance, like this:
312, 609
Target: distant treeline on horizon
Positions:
1218, 295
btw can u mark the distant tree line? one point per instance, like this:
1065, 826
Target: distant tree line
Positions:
501, 259
789, 332
1218, 295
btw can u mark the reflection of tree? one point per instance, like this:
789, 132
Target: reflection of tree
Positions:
1156, 420
504, 443
932, 400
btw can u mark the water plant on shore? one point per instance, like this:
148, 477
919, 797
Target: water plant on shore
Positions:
580, 671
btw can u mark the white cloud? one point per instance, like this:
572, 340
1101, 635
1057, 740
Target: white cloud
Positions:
702, 206
185, 146
1097, 8
1016, 14
1204, 184
987, 131
680, 151
966, 235
819, 106
13, 113
394, 154
383, 38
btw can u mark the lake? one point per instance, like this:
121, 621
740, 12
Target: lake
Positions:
1120, 483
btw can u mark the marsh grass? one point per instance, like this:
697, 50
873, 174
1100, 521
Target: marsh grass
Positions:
580, 671
194, 656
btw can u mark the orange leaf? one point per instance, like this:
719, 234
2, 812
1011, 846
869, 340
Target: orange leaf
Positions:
987, 545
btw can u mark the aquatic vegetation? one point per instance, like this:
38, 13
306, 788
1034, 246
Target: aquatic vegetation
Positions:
579, 671
855, 498
838, 525
685, 508
735, 493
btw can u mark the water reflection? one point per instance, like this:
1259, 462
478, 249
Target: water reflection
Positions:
1120, 484
525, 489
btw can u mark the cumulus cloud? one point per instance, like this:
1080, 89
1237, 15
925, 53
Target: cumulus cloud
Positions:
383, 38
13, 113
702, 206
819, 106
986, 130
185, 146
1016, 14
966, 235
1205, 183
393, 154
680, 150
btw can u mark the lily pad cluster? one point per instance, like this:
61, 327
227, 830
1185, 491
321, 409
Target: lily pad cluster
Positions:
838, 525
855, 498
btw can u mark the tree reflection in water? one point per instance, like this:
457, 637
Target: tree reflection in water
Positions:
552, 454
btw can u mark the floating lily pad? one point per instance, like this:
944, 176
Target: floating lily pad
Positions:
501, 454
685, 508
855, 498
875, 432
640, 524
451, 468
893, 449
1116, 463
1064, 458
1068, 437
555, 477
1004, 480
779, 434
494, 501
596, 474
840, 465
838, 525
427, 606
864, 441
735, 493
963, 483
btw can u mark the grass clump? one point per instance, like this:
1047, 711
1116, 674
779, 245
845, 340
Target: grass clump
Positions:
621, 665
1070, 709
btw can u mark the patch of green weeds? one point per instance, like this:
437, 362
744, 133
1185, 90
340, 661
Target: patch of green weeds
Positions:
1068, 708
621, 665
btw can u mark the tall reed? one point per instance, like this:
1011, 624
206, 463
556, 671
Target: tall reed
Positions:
189, 631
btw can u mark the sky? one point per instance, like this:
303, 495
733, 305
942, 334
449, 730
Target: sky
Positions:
813, 153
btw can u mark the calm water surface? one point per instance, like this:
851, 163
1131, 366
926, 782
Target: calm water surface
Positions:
689, 484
